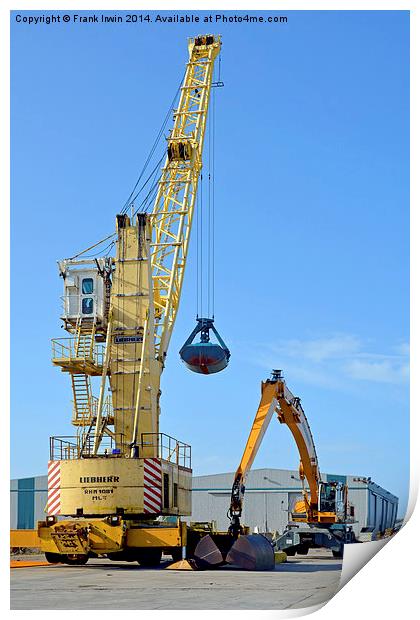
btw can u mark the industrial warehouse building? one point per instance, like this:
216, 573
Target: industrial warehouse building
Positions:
269, 498
271, 494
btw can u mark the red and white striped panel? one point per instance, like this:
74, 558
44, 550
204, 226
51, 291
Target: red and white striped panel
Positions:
54, 501
152, 486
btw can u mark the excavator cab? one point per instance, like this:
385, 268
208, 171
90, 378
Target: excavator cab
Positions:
332, 499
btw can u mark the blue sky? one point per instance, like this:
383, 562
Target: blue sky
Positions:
312, 226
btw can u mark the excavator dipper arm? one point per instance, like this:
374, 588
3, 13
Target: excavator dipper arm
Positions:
291, 413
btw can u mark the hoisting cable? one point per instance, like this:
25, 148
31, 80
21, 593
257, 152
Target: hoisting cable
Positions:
200, 247
103, 252
208, 203
209, 354
153, 173
201, 244
150, 197
209, 251
213, 188
129, 200
92, 246
210, 217
205, 259
197, 255
209, 220
146, 182
110, 248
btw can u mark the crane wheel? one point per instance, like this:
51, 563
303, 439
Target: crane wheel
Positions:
122, 556
150, 557
338, 554
176, 554
76, 559
302, 549
54, 558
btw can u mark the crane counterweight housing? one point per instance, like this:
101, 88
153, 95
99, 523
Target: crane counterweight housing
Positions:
113, 486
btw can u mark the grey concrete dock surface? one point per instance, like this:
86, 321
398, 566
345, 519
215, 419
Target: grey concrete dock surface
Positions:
101, 584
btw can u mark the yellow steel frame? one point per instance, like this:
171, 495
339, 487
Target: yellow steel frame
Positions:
146, 293
97, 535
147, 281
24, 538
174, 206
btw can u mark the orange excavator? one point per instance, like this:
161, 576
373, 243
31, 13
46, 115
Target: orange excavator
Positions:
325, 506
319, 520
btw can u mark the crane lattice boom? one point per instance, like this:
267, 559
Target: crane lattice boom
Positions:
174, 206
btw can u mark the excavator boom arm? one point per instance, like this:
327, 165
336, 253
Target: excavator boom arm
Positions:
276, 397
266, 408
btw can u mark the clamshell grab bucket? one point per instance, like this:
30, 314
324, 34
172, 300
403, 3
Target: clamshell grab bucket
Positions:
205, 357
252, 552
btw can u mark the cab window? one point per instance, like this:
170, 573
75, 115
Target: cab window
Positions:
87, 286
87, 305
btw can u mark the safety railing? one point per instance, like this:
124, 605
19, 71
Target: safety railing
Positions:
63, 448
92, 408
66, 448
168, 448
66, 348
107, 409
107, 447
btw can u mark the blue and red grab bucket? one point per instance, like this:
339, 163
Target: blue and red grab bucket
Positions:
205, 357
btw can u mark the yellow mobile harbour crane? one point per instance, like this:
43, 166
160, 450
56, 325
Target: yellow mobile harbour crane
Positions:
120, 486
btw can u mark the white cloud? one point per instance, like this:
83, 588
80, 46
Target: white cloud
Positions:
333, 361
323, 349
386, 371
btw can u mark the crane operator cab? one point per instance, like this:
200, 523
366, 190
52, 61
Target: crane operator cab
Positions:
205, 357
87, 285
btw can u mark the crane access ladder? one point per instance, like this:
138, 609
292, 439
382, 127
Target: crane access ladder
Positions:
82, 358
